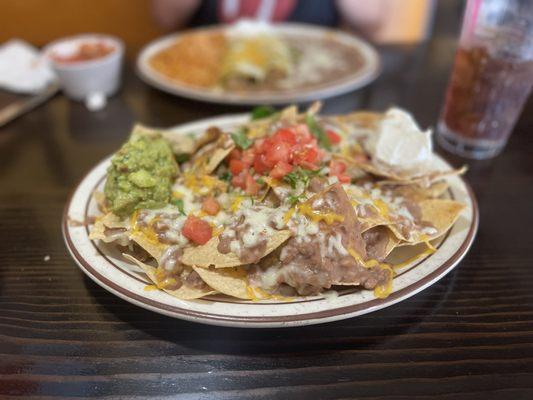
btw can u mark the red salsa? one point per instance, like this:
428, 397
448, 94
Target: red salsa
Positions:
85, 52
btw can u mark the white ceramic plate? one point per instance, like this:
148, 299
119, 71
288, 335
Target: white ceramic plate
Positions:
361, 76
105, 266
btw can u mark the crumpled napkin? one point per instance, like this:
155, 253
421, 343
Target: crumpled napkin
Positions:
22, 70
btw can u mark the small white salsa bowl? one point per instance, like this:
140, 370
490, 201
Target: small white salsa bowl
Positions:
88, 66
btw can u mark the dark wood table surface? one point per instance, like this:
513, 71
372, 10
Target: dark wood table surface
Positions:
469, 336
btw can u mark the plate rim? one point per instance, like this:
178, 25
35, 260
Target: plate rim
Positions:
368, 52
315, 317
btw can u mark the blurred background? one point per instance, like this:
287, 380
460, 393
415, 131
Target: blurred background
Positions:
139, 21
41, 21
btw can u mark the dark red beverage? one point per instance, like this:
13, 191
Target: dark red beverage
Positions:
491, 78
485, 94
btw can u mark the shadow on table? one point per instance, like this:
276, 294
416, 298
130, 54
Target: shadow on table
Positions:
372, 331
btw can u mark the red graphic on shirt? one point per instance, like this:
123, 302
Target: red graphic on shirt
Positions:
271, 10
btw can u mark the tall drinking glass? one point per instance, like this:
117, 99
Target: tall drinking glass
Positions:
491, 78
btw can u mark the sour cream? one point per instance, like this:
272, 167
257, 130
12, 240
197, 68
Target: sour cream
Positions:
400, 144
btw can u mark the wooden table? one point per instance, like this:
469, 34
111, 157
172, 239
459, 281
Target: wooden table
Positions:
470, 336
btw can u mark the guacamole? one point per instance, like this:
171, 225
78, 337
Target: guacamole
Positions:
140, 175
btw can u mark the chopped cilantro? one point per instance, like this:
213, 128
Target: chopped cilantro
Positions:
225, 176
262, 112
293, 199
240, 139
317, 131
261, 181
178, 203
300, 175
181, 158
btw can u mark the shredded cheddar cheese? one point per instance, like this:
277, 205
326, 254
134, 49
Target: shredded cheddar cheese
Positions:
288, 215
236, 203
381, 207
316, 216
357, 257
383, 291
217, 230
257, 294
197, 183
430, 250
425, 239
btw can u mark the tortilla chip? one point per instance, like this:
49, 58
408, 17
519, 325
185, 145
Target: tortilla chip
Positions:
314, 108
208, 254
361, 119
418, 193
207, 159
97, 231
102, 225
397, 178
386, 242
183, 293
180, 143
394, 178
152, 247
440, 213
101, 202
289, 115
229, 281
355, 194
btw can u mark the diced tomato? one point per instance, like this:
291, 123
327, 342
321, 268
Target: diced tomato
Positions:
280, 151
276, 156
337, 168
197, 230
333, 137
239, 180
235, 153
304, 136
248, 157
259, 164
307, 155
286, 135
280, 170
252, 187
210, 206
236, 166
343, 178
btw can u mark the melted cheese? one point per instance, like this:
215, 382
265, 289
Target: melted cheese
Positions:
236, 203
203, 184
382, 207
288, 215
146, 231
383, 291
367, 264
430, 250
257, 219
317, 216
335, 243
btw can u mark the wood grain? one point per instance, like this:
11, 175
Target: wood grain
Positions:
470, 336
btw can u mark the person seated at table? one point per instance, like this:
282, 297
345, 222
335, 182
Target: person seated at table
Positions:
379, 20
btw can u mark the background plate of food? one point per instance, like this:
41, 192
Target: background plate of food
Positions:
272, 219
254, 63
